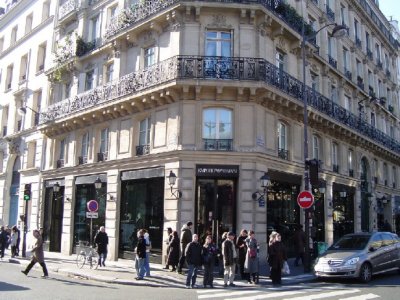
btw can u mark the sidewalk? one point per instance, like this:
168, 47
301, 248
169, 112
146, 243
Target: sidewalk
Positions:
123, 272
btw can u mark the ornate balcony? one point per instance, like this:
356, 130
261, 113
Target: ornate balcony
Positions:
218, 144
332, 61
180, 68
142, 150
67, 7
283, 153
144, 10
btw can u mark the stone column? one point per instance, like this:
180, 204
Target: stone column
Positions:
112, 213
329, 211
68, 224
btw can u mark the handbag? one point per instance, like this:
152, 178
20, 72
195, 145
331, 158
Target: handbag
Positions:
285, 268
253, 252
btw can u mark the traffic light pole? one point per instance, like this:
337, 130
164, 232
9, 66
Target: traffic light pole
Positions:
25, 229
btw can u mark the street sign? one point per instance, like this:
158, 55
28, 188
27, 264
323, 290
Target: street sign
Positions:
305, 199
92, 206
92, 215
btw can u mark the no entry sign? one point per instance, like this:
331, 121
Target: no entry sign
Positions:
92, 206
305, 199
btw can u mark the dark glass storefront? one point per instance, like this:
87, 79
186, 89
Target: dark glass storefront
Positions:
343, 210
283, 212
53, 215
215, 209
318, 218
142, 206
86, 191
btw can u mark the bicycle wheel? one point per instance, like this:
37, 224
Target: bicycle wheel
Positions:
80, 260
94, 262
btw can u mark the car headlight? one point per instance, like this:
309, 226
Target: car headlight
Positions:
352, 261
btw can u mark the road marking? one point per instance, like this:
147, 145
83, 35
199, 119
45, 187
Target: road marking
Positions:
236, 293
271, 295
362, 297
325, 295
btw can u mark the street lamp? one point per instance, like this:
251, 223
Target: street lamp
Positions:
265, 182
338, 31
172, 180
97, 185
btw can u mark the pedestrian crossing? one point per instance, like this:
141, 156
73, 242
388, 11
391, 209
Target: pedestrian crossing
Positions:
293, 292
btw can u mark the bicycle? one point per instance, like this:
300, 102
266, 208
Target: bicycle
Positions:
86, 254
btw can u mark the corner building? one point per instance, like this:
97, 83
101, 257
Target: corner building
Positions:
212, 91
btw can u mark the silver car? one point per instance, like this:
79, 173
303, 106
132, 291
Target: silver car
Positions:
360, 255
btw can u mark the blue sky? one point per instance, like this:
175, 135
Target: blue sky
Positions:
389, 8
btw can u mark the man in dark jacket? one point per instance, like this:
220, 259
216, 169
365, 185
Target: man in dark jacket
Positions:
140, 255
101, 240
299, 243
230, 255
194, 260
37, 255
3, 241
186, 238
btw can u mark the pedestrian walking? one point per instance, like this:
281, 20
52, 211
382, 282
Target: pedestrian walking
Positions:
101, 240
140, 255
209, 255
148, 248
3, 241
220, 256
276, 257
299, 239
168, 242
230, 256
13, 240
251, 262
186, 238
173, 255
37, 255
242, 249
193, 256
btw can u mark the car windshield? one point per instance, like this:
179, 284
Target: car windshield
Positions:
352, 242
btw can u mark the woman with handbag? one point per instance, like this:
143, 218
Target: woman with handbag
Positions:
251, 261
276, 257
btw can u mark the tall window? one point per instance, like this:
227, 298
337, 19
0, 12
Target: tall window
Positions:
343, 15
218, 43
367, 41
280, 60
95, 28
346, 59
67, 90
85, 147
45, 10
111, 14
373, 119
359, 69
89, 80
282, 141
394, 179
149, 56
144, 132
1, 44
109, 72
61, 157
14, 32
350, 162
347, 103
378, 53
217, 123
10, 69
330, 46
316, 147
23, 67
356, 29
387, 63
41, 57
385, 174
28, 24
314, 82
104, 142
334, 94
335, 161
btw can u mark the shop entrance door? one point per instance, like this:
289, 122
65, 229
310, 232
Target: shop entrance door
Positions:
215, 208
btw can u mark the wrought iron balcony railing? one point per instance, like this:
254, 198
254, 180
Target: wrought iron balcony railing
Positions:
142, 150
145, 9
283, 153
215, 68
66, 8
218, 144
332, 61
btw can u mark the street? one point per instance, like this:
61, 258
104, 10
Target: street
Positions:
14, 285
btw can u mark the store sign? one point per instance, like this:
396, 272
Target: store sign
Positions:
217, 171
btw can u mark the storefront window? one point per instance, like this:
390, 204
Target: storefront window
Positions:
283, 212
343, 213
85, 193
142, 207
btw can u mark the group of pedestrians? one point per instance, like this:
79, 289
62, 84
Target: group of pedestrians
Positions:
9, 237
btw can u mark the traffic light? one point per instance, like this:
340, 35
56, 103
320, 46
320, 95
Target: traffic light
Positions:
313, 166
27, 192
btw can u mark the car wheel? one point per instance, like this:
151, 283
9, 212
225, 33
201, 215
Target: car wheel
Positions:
365, 272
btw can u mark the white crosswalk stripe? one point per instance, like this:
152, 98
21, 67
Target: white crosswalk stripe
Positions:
295, 292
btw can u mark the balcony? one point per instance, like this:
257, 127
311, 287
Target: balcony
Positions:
335, 168
66, 8
224, 69
83, 48
283, 153
330, 13
332, 61
218, 144
370, 55
348, 74
142, 150
102, 156
358, 43
351, 173
60, 163
65, 48
143, 10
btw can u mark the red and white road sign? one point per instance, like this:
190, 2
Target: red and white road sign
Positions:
92, 206
305, 199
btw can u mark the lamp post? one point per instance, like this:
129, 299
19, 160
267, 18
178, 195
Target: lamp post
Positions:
337, 32
172, 180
